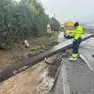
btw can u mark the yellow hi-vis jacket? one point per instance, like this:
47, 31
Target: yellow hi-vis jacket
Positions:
77, 33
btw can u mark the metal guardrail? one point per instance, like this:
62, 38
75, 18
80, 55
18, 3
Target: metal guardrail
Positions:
13, 70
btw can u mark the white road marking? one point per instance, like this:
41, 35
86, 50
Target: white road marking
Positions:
86, 61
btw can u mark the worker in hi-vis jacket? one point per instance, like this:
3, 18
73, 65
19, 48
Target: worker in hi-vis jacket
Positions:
77, 34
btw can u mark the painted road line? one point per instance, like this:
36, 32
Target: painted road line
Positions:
86, 61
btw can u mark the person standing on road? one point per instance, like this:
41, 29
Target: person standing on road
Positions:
77, 34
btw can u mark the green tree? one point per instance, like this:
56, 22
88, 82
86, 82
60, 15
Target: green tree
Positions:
21, 20
54, 24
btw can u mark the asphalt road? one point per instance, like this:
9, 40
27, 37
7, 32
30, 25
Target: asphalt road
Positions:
77, 77
61, 37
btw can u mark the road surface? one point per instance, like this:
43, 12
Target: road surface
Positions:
77, 77
61, 37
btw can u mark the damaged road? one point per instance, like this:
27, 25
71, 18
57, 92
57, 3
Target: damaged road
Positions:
11, 71
38, 79
60, 75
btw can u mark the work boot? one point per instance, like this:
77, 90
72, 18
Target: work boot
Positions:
72, 59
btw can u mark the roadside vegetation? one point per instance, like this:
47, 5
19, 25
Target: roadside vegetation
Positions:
19, 21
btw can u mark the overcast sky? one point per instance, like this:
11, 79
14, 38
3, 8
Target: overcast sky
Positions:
70, 10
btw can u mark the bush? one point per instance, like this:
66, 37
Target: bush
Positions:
21, 20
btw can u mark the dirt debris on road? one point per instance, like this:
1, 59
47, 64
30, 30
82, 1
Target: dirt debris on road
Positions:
36, 80
24, 82
29, 81
19, 53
